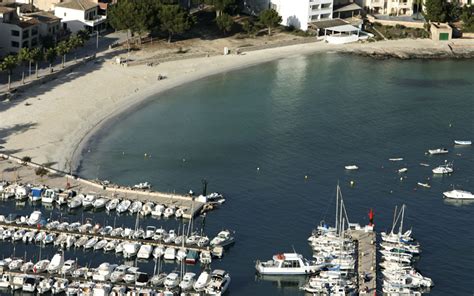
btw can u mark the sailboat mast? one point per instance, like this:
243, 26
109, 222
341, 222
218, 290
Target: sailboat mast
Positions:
337, 208
401, 222
394, 218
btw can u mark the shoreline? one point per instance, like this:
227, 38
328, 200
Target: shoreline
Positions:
98, 95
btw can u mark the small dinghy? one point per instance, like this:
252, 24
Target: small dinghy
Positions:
462, 143
438, 151
351, 167
402, 170
396, 159
426, 185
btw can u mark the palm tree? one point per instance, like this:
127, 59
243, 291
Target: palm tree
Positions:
36, 56
75, 42
83, 34
62, 49
23, 57
9, 63
50, 56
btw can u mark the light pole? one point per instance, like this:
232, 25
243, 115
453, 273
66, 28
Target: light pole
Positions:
97, 40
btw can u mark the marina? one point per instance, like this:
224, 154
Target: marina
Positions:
291, 141
16, 170
107, 279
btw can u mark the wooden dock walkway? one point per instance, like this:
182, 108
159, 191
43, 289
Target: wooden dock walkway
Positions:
13, 169
366, 261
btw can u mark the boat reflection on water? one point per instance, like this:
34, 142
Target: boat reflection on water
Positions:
20, 204
293, 282
458, 202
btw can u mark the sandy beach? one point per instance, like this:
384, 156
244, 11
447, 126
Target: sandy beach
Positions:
52, 122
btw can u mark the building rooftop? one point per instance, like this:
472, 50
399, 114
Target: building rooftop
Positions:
4, 9
350, 7
26, 22
44, 17
77, 4
327, 23
441, 26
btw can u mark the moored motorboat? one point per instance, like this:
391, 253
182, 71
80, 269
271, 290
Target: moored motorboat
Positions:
112, 204
396, 159
75, 202
172, 280
56, 263
223, 238
426, 185
444, 169
188, 281
202, 281
458, 194
123, 206
41, 266
438, 151
59, 286
45, 286
100, 203
462, 143
288, 264
220, 281
351, 167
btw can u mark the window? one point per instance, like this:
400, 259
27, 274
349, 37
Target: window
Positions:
15, 33
15, 44
34, 31
26, 33
25, 44
64, 14
34, 41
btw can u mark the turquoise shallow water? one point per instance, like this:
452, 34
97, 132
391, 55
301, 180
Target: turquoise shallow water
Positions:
306, 116
309, 116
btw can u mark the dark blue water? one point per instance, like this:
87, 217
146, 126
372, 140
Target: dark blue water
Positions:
275, 139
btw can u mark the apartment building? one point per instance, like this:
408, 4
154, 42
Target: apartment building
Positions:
16, 31
388, 7
80, 14
297, 14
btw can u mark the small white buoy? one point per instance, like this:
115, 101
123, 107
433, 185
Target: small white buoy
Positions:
123, 152
184, 159
352, 183
258, 169
401, 178
306, 177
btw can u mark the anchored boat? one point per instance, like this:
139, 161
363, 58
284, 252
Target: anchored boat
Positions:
287, 264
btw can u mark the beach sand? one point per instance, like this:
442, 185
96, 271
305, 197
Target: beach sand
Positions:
52, 122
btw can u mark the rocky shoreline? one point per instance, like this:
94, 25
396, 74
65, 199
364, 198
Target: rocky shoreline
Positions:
447, 51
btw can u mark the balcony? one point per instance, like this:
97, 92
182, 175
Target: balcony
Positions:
96, 20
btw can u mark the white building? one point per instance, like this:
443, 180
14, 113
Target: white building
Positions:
388, 7
16, 32
295, 13
80, 14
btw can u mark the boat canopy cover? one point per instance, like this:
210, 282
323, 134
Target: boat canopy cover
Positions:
343, 28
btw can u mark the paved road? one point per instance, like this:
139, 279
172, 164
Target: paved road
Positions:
89, 49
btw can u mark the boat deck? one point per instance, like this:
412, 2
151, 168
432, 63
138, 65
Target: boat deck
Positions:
12, 169
366, 266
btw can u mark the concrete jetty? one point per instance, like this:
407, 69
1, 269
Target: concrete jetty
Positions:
366, 261
14, 169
